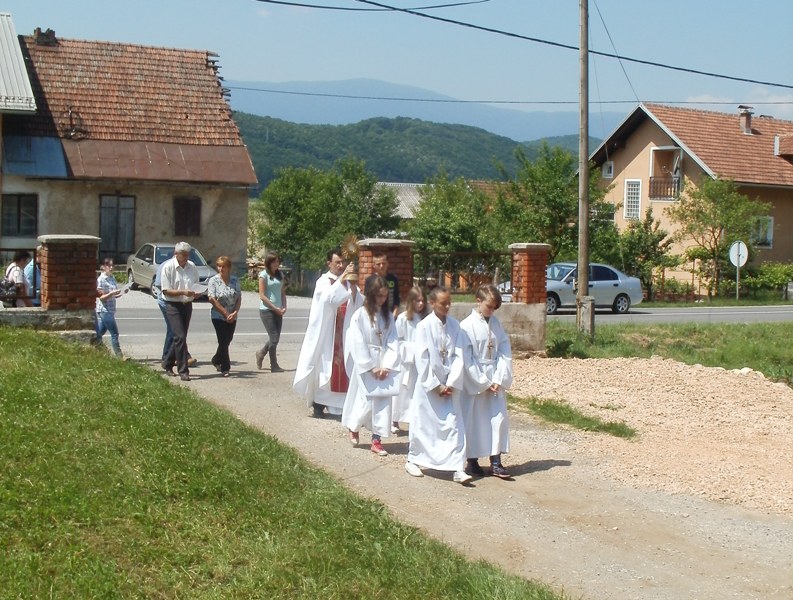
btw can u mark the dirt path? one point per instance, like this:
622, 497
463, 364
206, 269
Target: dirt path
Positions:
699, 506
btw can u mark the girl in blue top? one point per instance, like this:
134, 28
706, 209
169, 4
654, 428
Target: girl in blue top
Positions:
272, 306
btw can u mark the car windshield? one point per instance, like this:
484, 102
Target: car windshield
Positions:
166, 252
558, 272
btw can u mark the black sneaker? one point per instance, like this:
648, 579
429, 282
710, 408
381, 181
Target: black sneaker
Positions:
473, 467
319, 411
498, 470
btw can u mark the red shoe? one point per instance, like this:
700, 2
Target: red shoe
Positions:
377, 448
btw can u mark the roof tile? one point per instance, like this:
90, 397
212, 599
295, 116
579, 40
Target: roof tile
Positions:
719, 142
127, 92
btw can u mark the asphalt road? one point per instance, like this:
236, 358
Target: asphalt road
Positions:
139, 317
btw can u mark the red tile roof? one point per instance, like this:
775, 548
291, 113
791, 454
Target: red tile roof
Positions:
130, 111
114, 91
718, 142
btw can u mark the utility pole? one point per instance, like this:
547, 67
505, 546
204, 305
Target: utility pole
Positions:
585, 312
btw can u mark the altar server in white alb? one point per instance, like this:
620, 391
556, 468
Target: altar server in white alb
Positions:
406, 323
371, 352
437, 432
320, 375
488, 368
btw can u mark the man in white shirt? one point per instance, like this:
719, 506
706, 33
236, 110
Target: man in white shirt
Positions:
179, 277
320, 375
15, 272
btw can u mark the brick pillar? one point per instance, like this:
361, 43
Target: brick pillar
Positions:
528, 272
68, 271
400, 260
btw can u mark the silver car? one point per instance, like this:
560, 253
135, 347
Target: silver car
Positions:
609, 287
142, 266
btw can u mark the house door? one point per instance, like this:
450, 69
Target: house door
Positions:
116, 227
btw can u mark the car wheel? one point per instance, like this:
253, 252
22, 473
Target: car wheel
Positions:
151, 286
622, 304
551, 304
131, 280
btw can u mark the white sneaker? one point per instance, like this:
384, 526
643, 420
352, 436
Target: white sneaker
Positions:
413, 469
461, 477
395, 429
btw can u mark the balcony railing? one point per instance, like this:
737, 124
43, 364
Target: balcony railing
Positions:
664, 188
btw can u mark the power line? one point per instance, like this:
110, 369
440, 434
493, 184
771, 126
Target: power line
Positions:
523, 102
350, 8
570, 47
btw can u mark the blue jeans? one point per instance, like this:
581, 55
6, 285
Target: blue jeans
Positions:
106, 321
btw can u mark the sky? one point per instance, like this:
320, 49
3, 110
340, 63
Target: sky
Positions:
263, 41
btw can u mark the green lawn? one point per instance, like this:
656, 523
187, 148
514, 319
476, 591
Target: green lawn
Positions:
117, 484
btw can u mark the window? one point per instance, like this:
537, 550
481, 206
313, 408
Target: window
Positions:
633, 198
607, 170
600, 273
20, 215
763, 233
116, 226
187, 216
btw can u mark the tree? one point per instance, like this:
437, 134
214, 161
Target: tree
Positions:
645, 247
710, 218
541, 203
453, 218
307, 211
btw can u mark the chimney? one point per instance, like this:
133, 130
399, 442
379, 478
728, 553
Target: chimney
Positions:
745, 118
45, 38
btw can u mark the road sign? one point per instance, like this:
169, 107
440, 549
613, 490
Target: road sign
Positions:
738, 254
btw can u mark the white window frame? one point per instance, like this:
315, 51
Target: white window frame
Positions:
628, 213
767, 229
607, 170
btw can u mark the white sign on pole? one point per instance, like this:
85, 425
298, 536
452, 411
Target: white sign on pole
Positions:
739, 253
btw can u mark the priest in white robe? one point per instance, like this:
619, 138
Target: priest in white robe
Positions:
437, 431
320, 375
488, 368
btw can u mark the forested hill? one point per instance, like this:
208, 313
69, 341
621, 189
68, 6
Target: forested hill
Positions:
396, 150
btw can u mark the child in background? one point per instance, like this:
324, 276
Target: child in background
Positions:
106, 293
488, 366
437, 433
415, 311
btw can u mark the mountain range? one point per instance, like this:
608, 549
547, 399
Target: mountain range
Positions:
355, 100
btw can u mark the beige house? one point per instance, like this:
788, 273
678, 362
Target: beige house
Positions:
129, 143
657, 150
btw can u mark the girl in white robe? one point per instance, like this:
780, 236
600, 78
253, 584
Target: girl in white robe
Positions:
406, 322
488, 369
437, 433
371, 357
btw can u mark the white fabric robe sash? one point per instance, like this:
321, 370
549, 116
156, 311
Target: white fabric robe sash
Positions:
437, 431
315, 362
406, 332
364, 350
485, 412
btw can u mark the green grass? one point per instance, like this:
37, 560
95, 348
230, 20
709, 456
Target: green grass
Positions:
555, 411
117, 484
764, 347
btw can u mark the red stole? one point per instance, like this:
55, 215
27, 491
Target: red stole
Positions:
338, 375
